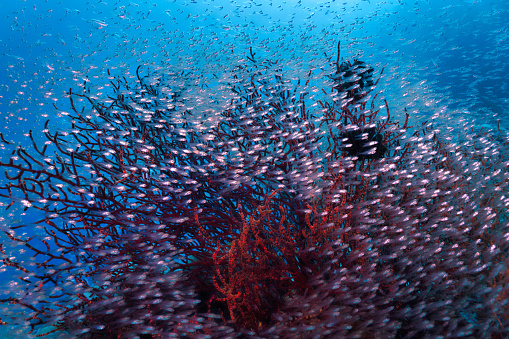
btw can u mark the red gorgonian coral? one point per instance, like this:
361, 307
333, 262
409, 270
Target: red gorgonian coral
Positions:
274, 213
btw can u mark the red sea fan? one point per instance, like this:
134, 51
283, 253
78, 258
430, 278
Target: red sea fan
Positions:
273, 214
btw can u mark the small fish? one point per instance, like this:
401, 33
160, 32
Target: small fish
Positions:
47, 65
14, 56
97, 22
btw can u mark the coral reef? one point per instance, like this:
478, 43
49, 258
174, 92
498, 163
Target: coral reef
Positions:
281, 214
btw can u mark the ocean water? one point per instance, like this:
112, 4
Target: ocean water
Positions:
442, 62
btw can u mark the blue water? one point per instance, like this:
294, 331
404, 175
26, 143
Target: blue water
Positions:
440, 60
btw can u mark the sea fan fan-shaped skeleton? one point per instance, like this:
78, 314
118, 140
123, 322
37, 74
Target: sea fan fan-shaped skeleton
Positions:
263, 218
